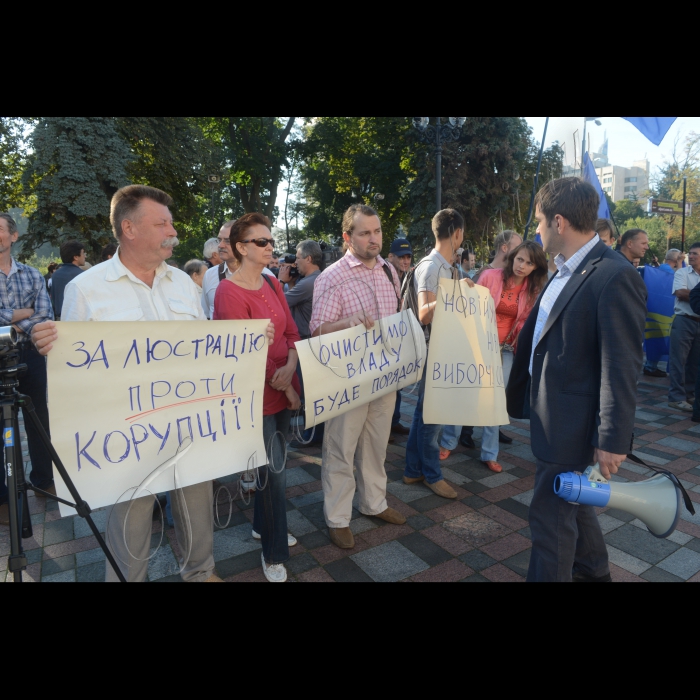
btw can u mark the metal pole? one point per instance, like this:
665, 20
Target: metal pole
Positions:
537, 180
438, 159
685, 201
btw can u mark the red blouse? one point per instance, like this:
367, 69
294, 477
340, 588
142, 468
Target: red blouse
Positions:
234, 303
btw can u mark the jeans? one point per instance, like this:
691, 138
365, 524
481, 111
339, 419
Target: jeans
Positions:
451, 435
270, 518
396, 420
423, 451
490, 440
685, 358
33, 384
319, 431
564, 537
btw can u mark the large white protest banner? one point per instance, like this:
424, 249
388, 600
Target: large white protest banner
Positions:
464, 382
126, 399
348, 369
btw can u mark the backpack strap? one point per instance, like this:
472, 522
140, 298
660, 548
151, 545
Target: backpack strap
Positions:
269, 281
387, 271
222, 272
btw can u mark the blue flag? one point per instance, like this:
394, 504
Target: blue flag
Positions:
654, 128
660, 312
590, 175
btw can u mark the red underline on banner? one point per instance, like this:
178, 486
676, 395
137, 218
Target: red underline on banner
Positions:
185, 403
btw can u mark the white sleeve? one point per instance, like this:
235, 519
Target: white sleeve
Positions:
76, 307
680, 281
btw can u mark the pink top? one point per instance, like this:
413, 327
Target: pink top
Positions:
493, 281
349, 287
234, 303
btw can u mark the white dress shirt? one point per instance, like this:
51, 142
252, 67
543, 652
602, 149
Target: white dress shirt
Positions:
567, 269
685, 278
110, 293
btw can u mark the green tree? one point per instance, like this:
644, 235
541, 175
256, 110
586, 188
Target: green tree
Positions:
627, 209
13, 155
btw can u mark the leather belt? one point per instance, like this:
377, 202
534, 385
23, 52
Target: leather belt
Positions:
692, 318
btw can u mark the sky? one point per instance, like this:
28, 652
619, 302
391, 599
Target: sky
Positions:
626, 143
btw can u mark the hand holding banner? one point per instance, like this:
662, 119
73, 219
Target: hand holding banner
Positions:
351, 368
129, 398
464, 384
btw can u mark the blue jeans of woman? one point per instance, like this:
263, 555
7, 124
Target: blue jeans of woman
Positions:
270, 520
489, 441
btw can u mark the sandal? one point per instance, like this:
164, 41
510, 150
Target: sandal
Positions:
444, 454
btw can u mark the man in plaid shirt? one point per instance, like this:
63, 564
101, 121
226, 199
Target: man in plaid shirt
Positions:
357, 291
24, 302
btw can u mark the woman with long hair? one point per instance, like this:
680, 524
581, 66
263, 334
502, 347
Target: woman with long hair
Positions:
250, 294
515, 290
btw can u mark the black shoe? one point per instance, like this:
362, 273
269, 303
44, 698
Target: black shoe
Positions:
580, 578
655, 373
468, 442
696, 419
296, 445
504, 439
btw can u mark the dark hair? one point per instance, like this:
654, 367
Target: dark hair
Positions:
446, 223
109, 251
71, 250
351, 214
127, 201
574, 199
695, 246
467, 254
537, 280
631, 235
194, 267
52, 268
605, 225
11, 223
240, 229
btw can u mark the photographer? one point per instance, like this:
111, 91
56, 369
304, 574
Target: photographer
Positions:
25, 303
301, 275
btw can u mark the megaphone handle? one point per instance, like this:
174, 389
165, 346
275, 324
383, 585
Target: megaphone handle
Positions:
688, 503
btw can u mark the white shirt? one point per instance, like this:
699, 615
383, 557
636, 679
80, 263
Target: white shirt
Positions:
211, 284
686, 278
567, 269
110, 293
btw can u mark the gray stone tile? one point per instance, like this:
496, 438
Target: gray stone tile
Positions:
520, 563
695, 519
93, 573
652, 459
493, 482
636, 469
609, 524
478, 561
684, 563
627, 561
522, 451
655, 575
298, 477
694, 545
695, 430
477, 578
82, 529
408, 494
525, 498
94, 556
163, 564
658, 426
678, 444
65, 577
455, 478
58, 532
420, 522
641, 545
646, 416
234, 542
300, 565
347, 571
298, 525
52, 567
390, 563
362, 524
308, 499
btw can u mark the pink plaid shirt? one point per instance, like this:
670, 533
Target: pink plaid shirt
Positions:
349, 287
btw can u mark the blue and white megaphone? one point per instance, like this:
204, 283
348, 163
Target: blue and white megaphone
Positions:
657, 503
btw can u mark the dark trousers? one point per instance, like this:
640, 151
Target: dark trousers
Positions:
564, 537
319, 431
270, 520
396, 420
33, 384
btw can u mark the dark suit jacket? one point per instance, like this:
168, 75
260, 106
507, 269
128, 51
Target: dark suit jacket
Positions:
583, 390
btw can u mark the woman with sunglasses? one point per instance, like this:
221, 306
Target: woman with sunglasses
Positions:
249, 294
514, 290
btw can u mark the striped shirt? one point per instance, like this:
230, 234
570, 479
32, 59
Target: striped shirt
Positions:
24, 288
567, 269
349, 287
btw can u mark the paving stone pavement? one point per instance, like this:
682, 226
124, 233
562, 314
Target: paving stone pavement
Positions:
483, 537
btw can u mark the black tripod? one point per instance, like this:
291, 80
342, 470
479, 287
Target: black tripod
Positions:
18, 504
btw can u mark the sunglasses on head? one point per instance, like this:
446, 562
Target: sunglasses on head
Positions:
262, 242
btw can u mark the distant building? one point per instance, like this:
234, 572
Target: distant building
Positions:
625, 183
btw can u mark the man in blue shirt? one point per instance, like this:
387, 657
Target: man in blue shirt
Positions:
24, 303
73, 257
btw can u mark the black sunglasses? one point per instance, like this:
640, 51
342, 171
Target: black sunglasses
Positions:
262, 242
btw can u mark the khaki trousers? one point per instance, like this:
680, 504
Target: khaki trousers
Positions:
132, 555
358, 439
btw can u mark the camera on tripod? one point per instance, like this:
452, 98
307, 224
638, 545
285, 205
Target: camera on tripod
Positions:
293, 270
9, 354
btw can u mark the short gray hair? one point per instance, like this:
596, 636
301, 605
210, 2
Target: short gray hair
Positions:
673, 254
194, 267
311, 249
505, 238
211, 247
11, 223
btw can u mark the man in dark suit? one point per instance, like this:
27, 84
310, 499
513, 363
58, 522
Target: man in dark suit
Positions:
575, 376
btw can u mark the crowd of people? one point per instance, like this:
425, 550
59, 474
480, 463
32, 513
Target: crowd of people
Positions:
571, 364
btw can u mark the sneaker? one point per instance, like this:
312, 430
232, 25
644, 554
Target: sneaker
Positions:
292, 540
274, 574
681, 406
657, 373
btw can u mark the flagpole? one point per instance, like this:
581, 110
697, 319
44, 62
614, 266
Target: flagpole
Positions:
685, 200
537, 180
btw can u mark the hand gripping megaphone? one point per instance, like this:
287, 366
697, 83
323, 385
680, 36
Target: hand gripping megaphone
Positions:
657, 502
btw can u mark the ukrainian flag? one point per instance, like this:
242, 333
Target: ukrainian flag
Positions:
660, 313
